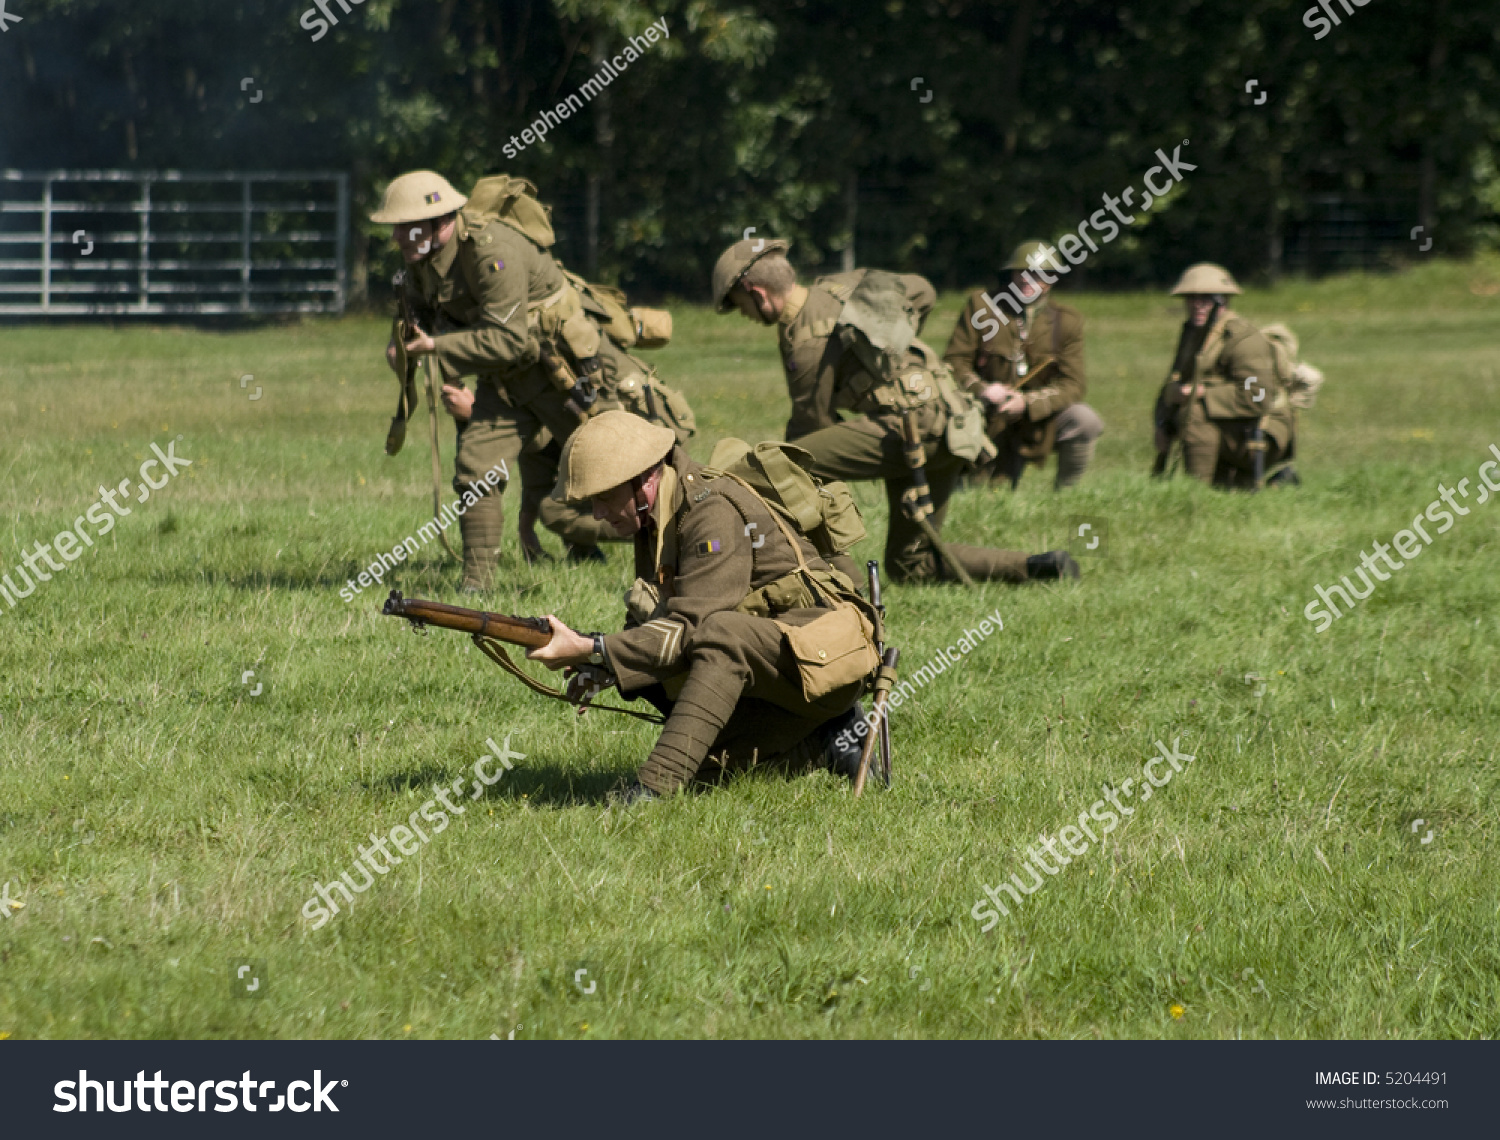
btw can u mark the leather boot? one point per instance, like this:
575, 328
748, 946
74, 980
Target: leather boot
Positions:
1052, 565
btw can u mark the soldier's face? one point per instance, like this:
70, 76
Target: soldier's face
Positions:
617, 508
1199, 305
754, 304
1027, 285
418, 240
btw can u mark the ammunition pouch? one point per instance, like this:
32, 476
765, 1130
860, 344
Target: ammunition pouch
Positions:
832, 651
876, 392
627, 327
966, 435
569, 342
653, 327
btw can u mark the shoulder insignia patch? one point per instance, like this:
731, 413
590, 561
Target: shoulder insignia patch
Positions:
494, 266
712, 546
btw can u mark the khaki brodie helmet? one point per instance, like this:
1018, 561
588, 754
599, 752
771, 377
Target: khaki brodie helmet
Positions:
609, 449
1030, 255
1205, 278
733, 264
417, 197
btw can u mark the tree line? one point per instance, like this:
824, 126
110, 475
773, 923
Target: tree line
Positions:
921, 135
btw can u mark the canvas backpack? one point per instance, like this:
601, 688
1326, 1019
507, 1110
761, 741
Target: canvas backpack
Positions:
823, 513
514, 202
1300, 379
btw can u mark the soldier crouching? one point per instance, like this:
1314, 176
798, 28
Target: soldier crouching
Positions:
754, 647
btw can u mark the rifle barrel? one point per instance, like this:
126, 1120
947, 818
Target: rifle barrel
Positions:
528, 631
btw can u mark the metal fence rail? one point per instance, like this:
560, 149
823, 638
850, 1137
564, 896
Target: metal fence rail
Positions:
171, 242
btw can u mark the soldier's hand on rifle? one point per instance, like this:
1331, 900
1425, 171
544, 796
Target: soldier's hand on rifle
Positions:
458, 401
420, 342
1179, 393
1006, 401
586, 683
566, 647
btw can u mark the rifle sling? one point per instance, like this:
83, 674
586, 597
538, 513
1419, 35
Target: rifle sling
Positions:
495, 651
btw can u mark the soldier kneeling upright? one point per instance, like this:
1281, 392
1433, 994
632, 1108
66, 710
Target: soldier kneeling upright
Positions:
754, 646
1225, 398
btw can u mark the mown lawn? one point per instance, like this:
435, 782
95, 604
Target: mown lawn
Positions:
158, 822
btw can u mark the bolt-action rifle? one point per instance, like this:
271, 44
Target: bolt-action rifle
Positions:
492, 632
1164, 415
406, 328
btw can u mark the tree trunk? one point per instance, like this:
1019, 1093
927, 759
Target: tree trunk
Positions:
604, 137
1015, 60
1274, 232
1437, 62
851, 218
359, 244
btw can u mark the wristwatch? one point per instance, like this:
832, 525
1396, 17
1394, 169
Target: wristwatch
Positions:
597, 656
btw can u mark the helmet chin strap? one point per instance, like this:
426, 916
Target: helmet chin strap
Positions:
642, 505
638, 489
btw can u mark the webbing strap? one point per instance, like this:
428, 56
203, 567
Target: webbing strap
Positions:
495, 651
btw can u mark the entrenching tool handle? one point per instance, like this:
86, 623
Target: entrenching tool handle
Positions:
1258, 451
884, 681
872, 568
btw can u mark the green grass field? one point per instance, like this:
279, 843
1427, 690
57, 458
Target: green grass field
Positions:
157, 821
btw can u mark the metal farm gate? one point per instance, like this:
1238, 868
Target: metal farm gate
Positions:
168, 242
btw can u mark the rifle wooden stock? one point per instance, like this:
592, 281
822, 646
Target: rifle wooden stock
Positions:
531, 632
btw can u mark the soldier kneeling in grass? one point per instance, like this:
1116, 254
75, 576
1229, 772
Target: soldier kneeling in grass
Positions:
1233, 391
750, 640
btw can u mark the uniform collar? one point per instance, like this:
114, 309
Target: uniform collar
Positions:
794, 302
1036, 307
670, 495
442, 261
